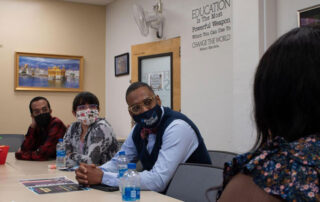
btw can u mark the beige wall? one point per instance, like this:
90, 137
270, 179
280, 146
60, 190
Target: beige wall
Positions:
51, 27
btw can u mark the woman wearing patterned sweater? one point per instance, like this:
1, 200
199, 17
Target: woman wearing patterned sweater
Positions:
91, 139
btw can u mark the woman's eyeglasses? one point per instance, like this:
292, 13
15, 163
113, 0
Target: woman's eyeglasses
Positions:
87, 106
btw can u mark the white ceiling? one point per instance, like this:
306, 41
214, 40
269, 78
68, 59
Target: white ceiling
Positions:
96, 2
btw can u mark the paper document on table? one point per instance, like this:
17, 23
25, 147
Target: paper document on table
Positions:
52, 185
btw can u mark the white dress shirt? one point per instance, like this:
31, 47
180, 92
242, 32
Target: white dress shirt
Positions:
179, 141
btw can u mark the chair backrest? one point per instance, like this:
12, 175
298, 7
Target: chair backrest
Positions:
120, 143
218, 158
13, 140
191, 182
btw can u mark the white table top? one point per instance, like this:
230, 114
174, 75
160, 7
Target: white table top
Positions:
12, 190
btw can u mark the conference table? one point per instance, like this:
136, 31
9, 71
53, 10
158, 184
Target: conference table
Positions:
12, 190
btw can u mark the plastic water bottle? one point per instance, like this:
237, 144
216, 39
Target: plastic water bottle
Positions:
61, 155
122, 167
131, 184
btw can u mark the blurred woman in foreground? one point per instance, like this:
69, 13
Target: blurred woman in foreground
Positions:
286, 162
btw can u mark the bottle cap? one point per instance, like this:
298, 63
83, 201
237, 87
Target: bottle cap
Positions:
60, 140
52, 166
122, 153
131, 166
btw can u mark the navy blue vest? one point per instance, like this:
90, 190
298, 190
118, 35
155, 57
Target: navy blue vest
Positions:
200, 155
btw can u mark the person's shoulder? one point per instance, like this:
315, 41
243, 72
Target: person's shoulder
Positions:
306, 149
103, 125
279, 162
176, 117
243, 188
179, 130
170, 112
56, 120
75, 124
102, 122
73, 130
178, 123
57, 123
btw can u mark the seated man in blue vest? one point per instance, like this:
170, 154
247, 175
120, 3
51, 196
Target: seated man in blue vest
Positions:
161, 139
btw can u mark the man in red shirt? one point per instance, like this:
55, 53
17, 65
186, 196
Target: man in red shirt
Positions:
43, 133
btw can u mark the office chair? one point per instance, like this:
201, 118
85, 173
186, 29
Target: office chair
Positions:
218, 158
191, 182
13, 140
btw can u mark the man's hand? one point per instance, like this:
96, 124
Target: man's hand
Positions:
33, 123
88, 174
81, 174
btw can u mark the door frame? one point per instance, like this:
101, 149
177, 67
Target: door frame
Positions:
159, 48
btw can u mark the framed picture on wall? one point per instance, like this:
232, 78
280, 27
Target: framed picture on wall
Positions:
121, 64
48, 72
308, 16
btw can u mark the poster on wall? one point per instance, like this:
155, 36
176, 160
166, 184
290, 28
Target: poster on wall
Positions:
155, 80
211, 24
156, 70
308, 16
48, 72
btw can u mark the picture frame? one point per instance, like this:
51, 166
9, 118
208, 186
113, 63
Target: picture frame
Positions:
121, 64
48, 72
308, 16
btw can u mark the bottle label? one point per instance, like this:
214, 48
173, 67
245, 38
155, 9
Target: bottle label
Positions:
61, 153
130, 194
121, 172
138, 193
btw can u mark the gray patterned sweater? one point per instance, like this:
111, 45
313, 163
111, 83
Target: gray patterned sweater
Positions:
100, 144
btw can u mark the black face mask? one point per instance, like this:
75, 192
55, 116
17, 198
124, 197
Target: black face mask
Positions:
43, 120
150, 118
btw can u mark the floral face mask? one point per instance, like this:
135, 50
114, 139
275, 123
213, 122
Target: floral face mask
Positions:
87, 116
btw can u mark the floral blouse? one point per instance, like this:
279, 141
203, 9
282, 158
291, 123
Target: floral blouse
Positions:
99, 146
289, 170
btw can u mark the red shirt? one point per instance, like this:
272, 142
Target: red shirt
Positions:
40, 143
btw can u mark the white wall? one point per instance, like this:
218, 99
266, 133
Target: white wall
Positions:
287, 13
246, 49
256, 35
270, 22
215, 84
49, 27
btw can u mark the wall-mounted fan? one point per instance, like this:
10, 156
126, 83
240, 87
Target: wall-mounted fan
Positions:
145, 19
